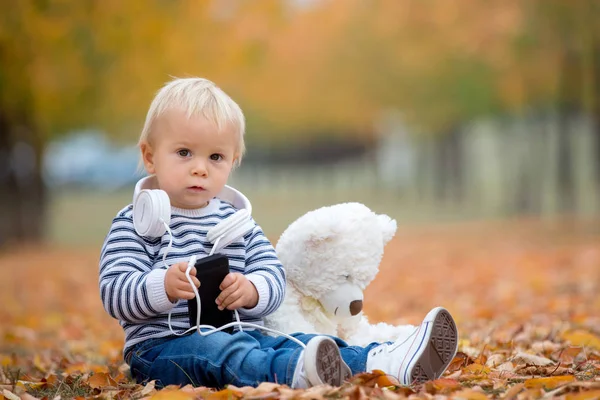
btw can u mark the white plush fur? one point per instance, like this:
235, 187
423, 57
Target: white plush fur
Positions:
330, 255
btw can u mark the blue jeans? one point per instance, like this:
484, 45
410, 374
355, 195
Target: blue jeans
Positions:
243, 359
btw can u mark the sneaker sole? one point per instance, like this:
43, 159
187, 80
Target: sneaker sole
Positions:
328, 362
436, 345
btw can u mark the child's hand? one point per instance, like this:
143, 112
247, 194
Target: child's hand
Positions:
237, 291
176, 283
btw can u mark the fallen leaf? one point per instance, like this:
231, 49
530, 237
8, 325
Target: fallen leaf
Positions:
476, 369
582, 338
592, 394
495, 360
148, 388
532, 359
100, 380
225, 394
171, 394
442, 386
548, 382
568, 354
469, 394
9, 395
513, 391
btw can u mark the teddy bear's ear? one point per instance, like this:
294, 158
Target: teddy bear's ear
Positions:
388, 227
316, 240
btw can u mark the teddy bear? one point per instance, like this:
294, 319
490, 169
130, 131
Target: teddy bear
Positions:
330, 255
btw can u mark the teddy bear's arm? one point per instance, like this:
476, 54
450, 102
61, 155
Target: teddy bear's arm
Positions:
289, 320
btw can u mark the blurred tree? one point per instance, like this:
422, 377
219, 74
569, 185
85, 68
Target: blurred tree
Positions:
328, 69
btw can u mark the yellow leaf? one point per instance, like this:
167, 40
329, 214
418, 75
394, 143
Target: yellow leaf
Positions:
584, 395
469, 394
37, 362
550, 382
582, 338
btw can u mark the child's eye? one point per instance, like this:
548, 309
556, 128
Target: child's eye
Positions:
216, 157
184, 152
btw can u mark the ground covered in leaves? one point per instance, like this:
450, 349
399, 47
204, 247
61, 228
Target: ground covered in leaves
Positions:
525, 296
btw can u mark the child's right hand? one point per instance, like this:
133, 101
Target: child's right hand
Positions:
176, 284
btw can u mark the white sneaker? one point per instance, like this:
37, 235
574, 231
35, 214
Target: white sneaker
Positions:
320, 363
423, 355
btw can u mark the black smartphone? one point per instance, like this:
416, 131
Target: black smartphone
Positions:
210, 271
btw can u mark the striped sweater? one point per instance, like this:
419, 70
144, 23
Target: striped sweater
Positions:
132, 271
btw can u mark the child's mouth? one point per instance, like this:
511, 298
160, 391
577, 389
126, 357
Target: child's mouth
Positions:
196, 188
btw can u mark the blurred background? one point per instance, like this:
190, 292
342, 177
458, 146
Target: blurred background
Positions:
431, 111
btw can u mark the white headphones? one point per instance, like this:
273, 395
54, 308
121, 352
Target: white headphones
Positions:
152, 213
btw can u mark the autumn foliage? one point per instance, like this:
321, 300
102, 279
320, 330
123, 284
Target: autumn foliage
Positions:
524, 295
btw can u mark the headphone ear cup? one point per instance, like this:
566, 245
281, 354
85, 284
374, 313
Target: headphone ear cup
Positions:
231, 228
227, 225
150, 209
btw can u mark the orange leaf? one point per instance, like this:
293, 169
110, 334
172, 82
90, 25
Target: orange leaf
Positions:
567, 356
170, 394
549, 382
99, 368
477, 369
225, 394
445, 385
76, 368
585, 395
101, 380
386, 381
469, 394
460, 360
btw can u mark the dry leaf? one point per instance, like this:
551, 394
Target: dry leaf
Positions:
526, 358
513, 391
587, 395
442, 386
149, 388
8, 395
469, 394
549, 382
225, 394
582, 338
170, 394
495, 360
101, 380
477, 369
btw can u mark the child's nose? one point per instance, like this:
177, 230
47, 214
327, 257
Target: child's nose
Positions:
199, 168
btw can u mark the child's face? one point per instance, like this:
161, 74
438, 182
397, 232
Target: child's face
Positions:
190, 158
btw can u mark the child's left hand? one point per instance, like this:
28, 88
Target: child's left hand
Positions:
236, 292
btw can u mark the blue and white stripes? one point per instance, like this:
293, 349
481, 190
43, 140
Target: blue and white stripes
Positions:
132, 270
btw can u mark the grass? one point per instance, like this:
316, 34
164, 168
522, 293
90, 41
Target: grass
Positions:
82, 218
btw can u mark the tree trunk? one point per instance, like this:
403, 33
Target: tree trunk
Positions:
22, 192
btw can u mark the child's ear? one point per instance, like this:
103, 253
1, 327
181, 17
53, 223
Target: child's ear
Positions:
147, 157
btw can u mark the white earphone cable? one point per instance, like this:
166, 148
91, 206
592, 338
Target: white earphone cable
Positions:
198, 327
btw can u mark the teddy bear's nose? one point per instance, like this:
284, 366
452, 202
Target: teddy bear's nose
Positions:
355, 307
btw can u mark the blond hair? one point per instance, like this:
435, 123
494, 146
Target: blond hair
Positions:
197, 96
